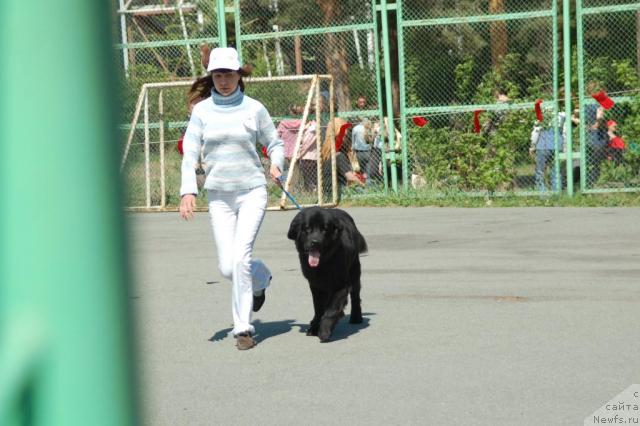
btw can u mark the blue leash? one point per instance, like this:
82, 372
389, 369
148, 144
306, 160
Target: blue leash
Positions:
291, 197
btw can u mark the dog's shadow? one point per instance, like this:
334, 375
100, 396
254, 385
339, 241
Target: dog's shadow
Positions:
344, 328
266, 330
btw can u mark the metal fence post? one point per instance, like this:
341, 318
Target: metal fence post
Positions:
581, 89
222, 24
403, 97
390, 128
64, 336
566, 35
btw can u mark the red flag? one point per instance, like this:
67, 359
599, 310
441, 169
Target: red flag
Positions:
538, 109
476, 120
605, 101
179, 145
420, 121
264, 152
340, 135
617, 143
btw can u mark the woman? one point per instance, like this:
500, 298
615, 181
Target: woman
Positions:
346, 161
225, 125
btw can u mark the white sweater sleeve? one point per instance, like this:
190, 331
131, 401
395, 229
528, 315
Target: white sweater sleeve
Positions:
268, 137
191, 146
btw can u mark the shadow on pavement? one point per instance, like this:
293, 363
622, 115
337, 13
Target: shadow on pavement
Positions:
266, 330
344, 329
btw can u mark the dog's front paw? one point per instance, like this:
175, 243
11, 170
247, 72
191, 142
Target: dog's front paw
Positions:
312, 330
355, 319
324, 334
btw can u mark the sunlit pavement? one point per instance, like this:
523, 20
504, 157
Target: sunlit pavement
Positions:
472, 316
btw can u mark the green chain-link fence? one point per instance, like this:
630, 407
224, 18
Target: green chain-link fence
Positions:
280, 38
294, 37
474, 70
151, 159
608, 63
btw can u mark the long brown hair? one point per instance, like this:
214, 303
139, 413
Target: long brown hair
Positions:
201, 88
337, 123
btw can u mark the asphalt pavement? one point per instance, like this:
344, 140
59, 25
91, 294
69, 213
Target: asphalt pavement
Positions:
490, 316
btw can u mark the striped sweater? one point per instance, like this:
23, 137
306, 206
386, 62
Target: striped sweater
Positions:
227, 135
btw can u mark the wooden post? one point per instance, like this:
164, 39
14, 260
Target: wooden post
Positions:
297, 44
145, 38
147, 174
266, 58
141, 97
296, 149
332, 134
163, 195
186, 37
132, 55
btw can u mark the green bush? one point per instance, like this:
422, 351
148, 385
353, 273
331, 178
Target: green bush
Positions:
463, 160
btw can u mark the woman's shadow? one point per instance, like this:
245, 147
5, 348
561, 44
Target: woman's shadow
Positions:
266, 330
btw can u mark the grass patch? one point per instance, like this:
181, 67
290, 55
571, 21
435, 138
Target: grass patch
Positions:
356, 196
413, 198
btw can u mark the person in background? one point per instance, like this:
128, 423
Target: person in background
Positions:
226, 124
597, 141
543, 146
496, 117
364, 135
596, 131
346, 175
616, 143
307, 155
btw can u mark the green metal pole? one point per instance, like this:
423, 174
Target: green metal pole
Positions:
64, 333
556, 123
388, 94
222, 24
568, 109
236, 20
403, 98
383, 154
582, 127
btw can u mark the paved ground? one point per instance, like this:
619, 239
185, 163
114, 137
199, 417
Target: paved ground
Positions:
472, 317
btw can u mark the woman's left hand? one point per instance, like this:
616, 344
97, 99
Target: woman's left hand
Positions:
275, 173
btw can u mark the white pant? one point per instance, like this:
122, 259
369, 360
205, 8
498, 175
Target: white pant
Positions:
236, 217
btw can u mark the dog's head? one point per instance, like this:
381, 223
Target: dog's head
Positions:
316, 233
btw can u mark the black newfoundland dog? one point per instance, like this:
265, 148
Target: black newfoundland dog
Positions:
329, 245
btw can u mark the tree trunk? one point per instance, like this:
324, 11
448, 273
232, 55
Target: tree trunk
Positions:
297, 45
638, 42
498, 34
335, 55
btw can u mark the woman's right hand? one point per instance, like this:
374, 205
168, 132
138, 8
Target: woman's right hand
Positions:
187, 206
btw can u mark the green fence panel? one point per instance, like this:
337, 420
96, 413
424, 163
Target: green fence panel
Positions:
64, 330
490, 60
608, 59
295, 37
438, 60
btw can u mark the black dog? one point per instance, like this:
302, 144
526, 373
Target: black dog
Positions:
329, 245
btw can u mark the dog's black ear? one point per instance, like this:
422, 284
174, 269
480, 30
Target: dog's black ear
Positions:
294, 228
337, 228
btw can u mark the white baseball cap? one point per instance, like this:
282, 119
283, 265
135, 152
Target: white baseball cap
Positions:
223, 58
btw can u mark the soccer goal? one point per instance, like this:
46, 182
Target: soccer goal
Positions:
301, 106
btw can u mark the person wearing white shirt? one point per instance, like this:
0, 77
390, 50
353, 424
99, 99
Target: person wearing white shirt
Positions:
225, 126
